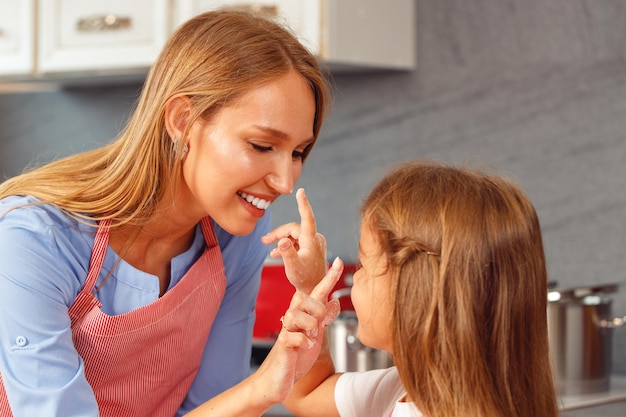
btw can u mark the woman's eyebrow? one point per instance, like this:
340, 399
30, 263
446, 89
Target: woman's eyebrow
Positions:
279, 133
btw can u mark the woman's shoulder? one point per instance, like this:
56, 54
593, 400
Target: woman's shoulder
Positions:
42, 248
28, 214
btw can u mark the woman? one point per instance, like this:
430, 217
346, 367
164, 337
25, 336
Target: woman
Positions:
128, 274
453, 283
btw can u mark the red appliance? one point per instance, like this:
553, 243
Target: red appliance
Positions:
275, 295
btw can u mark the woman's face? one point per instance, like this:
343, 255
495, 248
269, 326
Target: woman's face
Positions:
249, 153
371, 294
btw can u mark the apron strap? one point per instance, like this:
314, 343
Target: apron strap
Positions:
208, 232
101, 241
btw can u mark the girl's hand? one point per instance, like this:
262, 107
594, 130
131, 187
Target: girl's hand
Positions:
297, 347
303, 249
300, 340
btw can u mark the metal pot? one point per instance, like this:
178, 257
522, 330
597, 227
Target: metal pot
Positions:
346, 350
580, 326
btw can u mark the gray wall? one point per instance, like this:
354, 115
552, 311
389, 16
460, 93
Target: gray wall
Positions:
535, 89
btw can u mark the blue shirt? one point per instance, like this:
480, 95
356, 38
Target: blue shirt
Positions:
44, 259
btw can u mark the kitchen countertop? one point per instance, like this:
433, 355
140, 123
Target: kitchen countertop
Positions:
616, 393
277, 411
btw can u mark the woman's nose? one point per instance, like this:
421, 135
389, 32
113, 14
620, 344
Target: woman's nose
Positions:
281, 178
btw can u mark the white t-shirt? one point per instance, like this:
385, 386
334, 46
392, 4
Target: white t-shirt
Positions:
374, 394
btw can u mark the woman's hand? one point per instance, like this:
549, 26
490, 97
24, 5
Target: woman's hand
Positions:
303, 249
301, 338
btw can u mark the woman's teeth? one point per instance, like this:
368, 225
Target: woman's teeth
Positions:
255, 201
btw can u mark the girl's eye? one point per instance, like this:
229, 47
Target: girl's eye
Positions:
261, 148
297, 154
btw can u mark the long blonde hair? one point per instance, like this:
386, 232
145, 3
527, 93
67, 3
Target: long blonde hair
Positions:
213, 59
466, 257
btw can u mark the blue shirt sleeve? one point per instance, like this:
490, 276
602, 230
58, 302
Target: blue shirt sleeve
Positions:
41, 370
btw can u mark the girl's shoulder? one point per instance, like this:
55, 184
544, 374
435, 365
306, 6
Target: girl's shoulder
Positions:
362, 393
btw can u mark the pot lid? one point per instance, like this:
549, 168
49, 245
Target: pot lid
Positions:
555, 293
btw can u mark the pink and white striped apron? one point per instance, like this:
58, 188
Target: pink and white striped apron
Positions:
142, 363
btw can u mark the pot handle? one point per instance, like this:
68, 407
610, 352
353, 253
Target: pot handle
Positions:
611, 324
342, 292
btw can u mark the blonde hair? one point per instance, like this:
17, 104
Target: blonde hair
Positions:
466, 258
213, 59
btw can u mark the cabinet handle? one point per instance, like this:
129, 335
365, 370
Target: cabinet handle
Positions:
103, 22
262, 9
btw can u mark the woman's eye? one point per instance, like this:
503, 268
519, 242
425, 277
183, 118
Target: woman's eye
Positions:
296, 155
261, 148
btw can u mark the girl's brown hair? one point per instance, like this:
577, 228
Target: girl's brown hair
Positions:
469, 279
212, 59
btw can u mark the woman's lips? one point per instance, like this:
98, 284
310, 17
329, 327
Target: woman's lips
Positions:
255, 206
257, 202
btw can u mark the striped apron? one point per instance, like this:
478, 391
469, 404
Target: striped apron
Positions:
142, 363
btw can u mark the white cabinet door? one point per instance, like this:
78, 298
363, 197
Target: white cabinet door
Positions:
370, 34
301, 16
347, 34
17, 28
100, 35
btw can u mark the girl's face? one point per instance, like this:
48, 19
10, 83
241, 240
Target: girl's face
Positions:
249, 153
371, 293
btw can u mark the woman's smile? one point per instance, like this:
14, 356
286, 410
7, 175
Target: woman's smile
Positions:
255, 205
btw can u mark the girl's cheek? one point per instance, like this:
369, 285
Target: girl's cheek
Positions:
356, 295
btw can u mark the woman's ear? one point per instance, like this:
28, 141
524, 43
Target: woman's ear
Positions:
177, 115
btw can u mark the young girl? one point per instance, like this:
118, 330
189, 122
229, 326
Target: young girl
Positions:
453, 283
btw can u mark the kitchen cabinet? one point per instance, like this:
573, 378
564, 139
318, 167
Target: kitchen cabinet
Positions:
70, 41
99, 36
17, 29
346, 34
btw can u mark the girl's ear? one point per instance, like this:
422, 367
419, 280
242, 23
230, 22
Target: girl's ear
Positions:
177, 115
